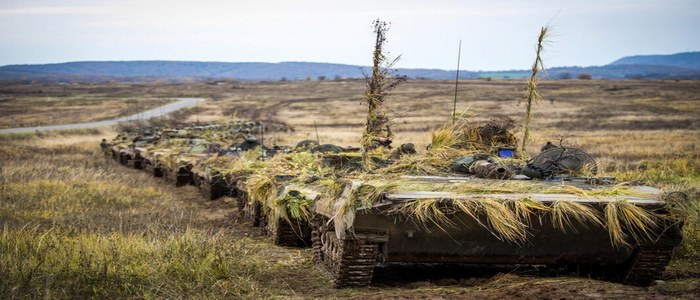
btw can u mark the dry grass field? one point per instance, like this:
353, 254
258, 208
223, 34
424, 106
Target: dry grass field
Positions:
76, 225
42, 105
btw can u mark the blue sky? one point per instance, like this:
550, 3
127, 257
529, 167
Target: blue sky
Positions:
496, 34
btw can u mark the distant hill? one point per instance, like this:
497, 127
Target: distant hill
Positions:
688, 60
190, 70
676, 66
626, 72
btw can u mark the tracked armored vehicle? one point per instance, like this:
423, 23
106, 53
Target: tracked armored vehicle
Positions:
155, 155
290, 226
280, 195
211, 183
118, 146
133, 153
546, 225
272, 202
617, 232
182, 163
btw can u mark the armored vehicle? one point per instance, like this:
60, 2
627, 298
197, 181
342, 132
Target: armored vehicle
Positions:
119, 144
553, 212
280, 194
290, 226
154, 156
211, 183
627, 237
132, 154
181, 164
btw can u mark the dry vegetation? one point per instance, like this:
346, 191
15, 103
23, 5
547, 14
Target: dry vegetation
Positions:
42, 105
76, 225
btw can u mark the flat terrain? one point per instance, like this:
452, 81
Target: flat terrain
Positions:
56, 104
621, 121
76, 225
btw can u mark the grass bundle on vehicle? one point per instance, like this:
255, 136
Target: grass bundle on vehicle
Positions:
510, 220
453, 140
235, 168
261, 188
532, 95
293, 207
356, 195
464, 137
450, 137
621, 189
487, 186
624, 218
564, 213
297, 169
418, 165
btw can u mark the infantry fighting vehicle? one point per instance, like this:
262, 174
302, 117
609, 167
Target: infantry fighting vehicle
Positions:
154, 155
622, 233
553, 211
132, 154
350, 239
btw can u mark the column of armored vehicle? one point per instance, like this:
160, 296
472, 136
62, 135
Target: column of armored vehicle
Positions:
460, 202
214, 157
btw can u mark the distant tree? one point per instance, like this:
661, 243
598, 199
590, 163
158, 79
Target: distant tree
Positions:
337, 77
565, 75
584, 76
283, 78
308, 78
321, 78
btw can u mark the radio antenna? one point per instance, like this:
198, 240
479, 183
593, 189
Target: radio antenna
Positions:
454, 105
316, 128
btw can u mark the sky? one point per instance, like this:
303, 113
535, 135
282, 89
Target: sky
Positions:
495, 34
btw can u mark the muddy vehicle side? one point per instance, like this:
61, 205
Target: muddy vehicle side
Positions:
350, 241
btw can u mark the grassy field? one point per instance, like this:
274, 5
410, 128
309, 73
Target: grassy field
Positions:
42, 105
77, 225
